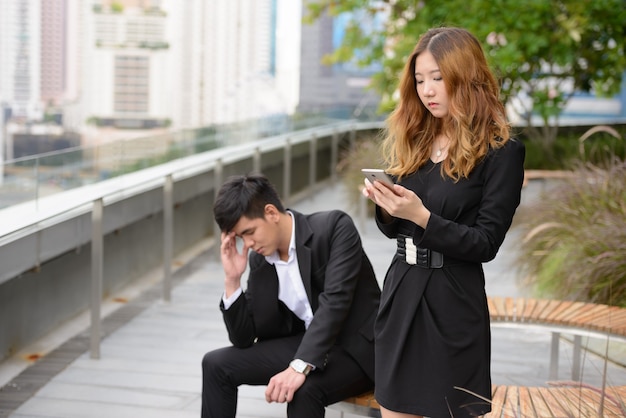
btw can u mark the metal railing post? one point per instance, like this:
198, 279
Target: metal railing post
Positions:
97, 255
287, 172
218, 178
576, 358
554, 356
256, 160
334, 155
362, 212
168, 236
312, 165
37, 185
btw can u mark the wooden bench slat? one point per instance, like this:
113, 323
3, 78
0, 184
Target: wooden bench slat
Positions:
575, 318
366, 399
569, 309
600, 314
511, 402
582, 401
611, 322
493, 309
617, 395
559, 310
528, 308
552, 402
535, 314
497, 401
526, 407
541, 409
509, 305
546, 314
590, 400
587, 317
519, 308
498, 303
610, 408
561, 396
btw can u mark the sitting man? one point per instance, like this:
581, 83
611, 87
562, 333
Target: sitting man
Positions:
304, 325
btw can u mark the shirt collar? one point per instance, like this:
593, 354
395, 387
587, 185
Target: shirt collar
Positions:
274, 258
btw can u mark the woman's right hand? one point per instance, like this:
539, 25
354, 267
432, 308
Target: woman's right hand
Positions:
398, 202
370, 191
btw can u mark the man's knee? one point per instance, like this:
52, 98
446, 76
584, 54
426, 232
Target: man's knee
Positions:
213, 361
308, 401
311, 392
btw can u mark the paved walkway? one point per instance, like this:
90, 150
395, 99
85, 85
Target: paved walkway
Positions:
151, 351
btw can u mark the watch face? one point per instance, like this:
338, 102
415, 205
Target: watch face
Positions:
300, 366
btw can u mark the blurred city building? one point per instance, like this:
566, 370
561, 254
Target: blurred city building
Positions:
233, 60
124, 50
339, 89
20, 69
108, 70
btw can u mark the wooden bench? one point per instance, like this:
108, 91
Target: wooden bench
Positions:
545, 175
572, 401
577, 318
526, 402
548, 174
559, 316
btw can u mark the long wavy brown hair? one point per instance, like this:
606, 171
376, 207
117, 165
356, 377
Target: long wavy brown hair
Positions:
476, 119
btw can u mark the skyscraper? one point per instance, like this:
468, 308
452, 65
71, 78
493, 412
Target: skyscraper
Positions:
232, 60
53, 51
124, 64
20, 57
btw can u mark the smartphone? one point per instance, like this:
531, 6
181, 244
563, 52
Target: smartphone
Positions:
374, 174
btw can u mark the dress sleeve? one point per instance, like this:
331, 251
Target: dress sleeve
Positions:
501, 194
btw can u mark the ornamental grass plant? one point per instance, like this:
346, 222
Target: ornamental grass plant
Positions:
365, 153
574, 237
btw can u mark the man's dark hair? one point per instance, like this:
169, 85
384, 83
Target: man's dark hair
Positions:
244, 195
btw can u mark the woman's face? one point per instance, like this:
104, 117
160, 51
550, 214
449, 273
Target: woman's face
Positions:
430, 86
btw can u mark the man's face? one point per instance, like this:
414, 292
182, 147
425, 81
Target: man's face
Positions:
259, 234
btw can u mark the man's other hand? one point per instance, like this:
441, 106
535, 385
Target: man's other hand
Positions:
284, 385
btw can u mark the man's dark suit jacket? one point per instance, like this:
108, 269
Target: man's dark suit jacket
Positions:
340, 285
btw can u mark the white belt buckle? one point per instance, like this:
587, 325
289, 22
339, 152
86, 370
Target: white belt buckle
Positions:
410, 251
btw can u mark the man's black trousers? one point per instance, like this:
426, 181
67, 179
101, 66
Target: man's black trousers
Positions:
224, 369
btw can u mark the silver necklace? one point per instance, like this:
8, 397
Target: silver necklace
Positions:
438, 153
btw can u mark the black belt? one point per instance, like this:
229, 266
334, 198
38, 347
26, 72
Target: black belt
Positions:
418, 256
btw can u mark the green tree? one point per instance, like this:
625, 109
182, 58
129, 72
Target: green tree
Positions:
541, 50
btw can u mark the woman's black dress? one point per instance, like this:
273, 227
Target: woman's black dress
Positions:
433, 341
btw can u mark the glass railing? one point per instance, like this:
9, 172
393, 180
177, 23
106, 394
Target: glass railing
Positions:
30, 178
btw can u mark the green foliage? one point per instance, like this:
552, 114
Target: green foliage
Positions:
574, 244
542, 49
567, 151
117, 7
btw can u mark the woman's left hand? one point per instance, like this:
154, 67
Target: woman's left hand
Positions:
399, 202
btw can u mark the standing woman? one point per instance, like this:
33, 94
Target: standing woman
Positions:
459, 178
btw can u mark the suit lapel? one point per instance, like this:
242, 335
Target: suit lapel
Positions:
303, 252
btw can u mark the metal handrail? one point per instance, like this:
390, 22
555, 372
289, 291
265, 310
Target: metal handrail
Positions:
29, 218
31, 178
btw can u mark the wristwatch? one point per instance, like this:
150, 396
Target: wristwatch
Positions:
301, 366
